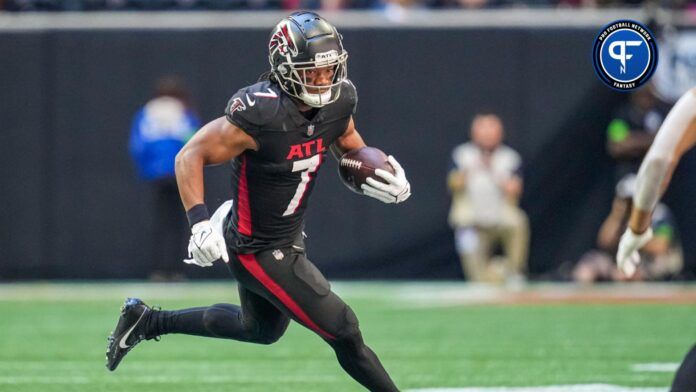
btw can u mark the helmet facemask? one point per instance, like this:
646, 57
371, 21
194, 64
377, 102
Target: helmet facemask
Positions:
293, 78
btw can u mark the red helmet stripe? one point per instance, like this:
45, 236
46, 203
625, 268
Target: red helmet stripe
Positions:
288, 37
283, 41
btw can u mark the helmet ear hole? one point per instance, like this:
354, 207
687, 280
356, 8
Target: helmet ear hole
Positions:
283, 69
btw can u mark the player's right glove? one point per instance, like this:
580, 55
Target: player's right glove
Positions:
206, 245
397, 188
627, 256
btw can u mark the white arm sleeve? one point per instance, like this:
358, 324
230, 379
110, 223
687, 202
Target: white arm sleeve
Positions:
659, 158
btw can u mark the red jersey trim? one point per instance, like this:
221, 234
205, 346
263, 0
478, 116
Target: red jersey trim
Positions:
243, 210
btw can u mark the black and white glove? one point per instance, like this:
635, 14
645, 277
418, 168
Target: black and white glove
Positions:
397, 188
206, 245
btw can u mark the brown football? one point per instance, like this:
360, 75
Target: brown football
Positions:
357, 165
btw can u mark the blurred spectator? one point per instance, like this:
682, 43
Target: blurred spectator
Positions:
393, 8
486, 184
629, 136
159, 130
676, 72
152, 5
632, 129
662, 256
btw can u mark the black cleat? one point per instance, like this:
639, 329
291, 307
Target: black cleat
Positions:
129, 331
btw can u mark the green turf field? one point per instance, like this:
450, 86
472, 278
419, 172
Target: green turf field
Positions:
53, 338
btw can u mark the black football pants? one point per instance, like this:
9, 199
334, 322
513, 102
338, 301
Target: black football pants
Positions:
274, 287
685, 378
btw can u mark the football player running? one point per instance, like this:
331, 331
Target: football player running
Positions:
276, 133
676, 136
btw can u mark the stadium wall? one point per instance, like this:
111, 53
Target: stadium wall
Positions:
73, 208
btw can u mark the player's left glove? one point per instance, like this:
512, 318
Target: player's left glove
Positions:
397, 188
627, 256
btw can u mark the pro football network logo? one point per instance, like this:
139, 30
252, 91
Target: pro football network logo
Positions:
625, 55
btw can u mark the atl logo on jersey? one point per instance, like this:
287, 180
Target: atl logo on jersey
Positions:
304, 150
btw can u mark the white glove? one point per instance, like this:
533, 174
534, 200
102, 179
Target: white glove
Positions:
397, 188
627, 256
206, 245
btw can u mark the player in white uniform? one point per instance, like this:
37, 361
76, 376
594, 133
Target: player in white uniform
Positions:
676, 136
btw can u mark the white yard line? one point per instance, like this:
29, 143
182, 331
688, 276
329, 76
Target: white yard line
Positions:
658, 367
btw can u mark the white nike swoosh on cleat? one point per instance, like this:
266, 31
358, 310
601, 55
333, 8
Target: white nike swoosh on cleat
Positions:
122, 342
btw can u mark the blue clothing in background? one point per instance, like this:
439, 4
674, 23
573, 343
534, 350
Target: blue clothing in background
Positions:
160, 129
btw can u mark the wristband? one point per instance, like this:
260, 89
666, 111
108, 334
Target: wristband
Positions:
197, 213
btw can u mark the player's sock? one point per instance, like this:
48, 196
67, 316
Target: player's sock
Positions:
685, 378
186, 321
218, 321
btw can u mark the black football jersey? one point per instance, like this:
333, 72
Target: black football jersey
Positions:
271, 186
